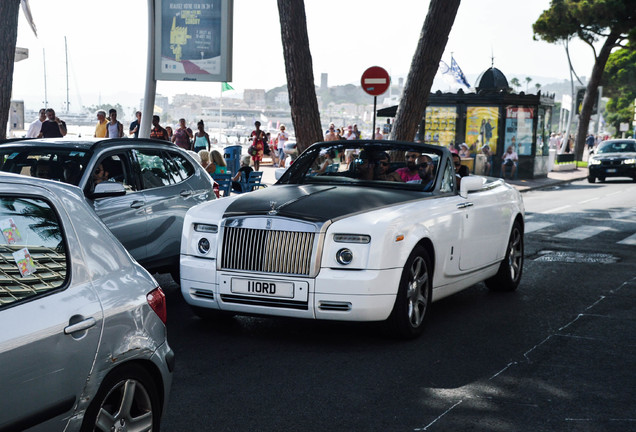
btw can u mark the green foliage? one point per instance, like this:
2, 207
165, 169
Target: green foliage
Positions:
587, 19
106, 107
619, 84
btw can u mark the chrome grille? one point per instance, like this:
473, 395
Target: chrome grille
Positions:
267, 251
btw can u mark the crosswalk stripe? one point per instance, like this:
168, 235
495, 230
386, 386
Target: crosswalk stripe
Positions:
582, 232
631, 240
535, 226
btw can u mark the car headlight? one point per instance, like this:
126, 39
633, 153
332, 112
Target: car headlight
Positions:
206, 228
629, 161
352, 238
594, 162
344, 256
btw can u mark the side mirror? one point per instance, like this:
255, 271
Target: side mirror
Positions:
469, 184
108, 189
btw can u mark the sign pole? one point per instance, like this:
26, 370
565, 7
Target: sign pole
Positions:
375, 103
375, 81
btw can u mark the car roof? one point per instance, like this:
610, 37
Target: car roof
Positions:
86, 143
51, 185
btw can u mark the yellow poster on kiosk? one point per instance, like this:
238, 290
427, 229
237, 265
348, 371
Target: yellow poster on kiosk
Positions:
481, 128
440, 125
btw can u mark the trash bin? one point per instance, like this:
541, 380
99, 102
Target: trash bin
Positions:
232, 156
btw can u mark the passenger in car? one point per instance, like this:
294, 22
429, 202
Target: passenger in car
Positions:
382, 166
460, 170
42, 169
425, 171
410, 172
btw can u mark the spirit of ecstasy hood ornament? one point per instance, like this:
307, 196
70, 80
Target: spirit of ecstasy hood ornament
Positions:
272, 210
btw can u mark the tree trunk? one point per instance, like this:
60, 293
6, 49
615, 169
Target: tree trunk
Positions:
433, 38
590, 92
8, 36
299, 70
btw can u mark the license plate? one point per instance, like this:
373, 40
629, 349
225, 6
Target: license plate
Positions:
266, 288
610, 170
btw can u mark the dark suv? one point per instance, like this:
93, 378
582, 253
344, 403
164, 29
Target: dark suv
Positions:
141, 189
613, 158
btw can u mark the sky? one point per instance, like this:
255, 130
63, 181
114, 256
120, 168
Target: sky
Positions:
107, 45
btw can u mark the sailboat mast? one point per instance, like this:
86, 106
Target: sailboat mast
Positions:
66, 55
46, 99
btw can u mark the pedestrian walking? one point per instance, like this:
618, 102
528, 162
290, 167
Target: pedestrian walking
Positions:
36, 126
201, 138
183, 136
114, 128
53, 127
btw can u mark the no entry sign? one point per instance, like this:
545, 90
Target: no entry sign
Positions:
375, 81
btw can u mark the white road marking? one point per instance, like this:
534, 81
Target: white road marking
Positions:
631, 240
589, 200
554, 210
582, 232
535, 226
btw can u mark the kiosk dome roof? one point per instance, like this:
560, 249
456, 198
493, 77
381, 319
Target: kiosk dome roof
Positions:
492, 80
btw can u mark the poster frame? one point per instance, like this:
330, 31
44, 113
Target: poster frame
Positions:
226, 34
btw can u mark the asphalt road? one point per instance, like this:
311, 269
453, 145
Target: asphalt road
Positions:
556, 355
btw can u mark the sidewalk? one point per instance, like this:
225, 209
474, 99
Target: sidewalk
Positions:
554, 178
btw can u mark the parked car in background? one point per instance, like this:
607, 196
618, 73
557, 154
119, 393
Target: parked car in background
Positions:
140, 188
613, 158
83, 344
377, 240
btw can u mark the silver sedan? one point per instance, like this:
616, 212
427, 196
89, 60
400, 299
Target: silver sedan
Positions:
83, 344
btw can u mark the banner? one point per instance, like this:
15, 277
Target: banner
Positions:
481, 128
193, 40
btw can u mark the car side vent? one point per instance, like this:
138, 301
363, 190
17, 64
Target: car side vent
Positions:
203, 294
334, 306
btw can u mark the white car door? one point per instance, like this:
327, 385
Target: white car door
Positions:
50, 316
484, 225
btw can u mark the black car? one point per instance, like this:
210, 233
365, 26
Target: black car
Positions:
141, 189
613, 158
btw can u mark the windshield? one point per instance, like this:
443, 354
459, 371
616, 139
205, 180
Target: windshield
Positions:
616, 147
59, 164
367, 163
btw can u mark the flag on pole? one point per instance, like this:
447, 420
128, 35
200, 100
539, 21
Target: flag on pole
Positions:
457, 73
225, 86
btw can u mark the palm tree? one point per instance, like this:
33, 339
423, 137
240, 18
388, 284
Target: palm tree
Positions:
528, 79
515, 82
538, 86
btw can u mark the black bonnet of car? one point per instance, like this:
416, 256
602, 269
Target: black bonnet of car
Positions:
316, 203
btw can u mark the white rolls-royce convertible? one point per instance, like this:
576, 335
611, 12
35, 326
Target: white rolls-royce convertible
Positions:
354, 231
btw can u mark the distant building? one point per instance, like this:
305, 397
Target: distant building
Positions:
254, 97
161, 102
324, 81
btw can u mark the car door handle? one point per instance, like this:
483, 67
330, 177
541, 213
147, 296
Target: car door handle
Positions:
464, 205
80, 326
137, 204
185, 193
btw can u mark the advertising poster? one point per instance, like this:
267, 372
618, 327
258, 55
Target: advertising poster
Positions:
193, 40
440, 125
519, 130
481, 128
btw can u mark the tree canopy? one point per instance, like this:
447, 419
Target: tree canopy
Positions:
619, 84
611, 21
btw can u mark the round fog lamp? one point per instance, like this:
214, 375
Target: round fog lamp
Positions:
204, 245
344, 256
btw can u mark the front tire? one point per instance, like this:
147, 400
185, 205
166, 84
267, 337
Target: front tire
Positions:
128, 399
414, 296
511, 268
591, 179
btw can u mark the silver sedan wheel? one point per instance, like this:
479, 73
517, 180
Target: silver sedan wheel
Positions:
417, 291
127, 407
